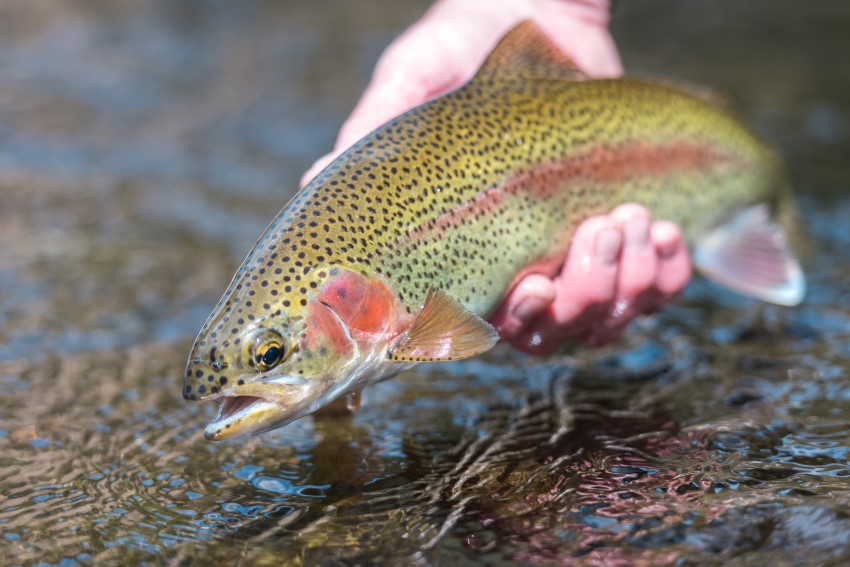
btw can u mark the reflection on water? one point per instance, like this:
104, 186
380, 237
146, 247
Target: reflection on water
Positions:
142, 148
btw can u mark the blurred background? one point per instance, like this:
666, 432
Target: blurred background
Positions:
143, 149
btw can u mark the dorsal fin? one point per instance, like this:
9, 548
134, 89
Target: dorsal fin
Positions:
526, 51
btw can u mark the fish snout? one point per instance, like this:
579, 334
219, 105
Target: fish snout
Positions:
204, 379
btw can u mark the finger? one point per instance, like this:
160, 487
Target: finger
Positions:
674, 263
525, 302
636, 276
638, 260
584, 289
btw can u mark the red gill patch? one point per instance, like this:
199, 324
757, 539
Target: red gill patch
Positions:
364, 304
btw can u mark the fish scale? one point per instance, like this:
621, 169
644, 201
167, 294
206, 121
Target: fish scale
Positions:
461, 196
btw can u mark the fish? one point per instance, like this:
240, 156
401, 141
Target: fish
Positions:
398, 251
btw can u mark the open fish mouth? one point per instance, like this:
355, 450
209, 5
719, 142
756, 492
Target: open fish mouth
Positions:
232, 406
242, 413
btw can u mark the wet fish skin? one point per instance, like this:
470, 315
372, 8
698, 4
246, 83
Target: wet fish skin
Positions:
396, 252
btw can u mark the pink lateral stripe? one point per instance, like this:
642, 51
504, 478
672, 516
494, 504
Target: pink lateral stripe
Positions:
600, 165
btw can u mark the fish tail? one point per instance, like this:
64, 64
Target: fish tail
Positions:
756, 252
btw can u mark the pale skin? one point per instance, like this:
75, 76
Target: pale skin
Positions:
619, 265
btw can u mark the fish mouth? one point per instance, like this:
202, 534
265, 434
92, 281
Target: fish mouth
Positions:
236, 414
232, 405
261, 406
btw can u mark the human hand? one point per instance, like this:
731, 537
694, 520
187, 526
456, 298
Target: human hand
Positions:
619, 265
442, 51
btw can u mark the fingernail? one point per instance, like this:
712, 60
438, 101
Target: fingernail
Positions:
666, 250
529, 308
637, 232
607, 245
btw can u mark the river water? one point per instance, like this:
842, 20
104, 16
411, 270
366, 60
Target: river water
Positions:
143, 148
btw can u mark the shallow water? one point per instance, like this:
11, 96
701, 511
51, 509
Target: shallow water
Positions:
143, 148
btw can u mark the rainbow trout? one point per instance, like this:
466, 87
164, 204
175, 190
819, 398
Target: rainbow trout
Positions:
398, 251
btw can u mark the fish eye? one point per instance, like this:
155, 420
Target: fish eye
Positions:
270, 356
267, 350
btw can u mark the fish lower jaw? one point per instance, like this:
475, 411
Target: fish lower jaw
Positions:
260, 406
235, 414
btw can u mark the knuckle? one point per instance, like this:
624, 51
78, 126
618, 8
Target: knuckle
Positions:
630, 211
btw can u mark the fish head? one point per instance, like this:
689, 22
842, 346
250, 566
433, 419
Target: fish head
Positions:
279, 353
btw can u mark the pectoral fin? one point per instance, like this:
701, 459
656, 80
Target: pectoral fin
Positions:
750, 255
444, 330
